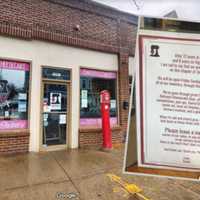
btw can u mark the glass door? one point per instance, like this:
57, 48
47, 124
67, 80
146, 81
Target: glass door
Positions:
54, 113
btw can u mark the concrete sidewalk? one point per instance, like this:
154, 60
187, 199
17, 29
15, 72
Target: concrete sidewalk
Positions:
80, 174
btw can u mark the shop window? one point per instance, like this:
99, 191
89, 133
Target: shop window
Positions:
14, 92
92, 82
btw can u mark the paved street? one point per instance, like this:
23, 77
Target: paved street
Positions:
80, 174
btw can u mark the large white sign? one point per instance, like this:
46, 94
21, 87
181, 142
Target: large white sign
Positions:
169, 102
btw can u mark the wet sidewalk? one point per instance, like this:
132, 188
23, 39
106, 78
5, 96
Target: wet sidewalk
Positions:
80, 174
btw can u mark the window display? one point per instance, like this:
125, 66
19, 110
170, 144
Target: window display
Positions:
92, 82
14, 88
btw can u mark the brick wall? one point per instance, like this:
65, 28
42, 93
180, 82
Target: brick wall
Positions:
14, 142
93, 137
56, 20
79, 23
123, 89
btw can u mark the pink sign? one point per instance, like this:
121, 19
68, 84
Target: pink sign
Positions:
98, 74
13, 65
96, 122
13, 124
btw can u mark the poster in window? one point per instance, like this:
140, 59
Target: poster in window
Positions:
84, 94
46, 107
22, 96
112, 103
6, 114
55, 101
62, 119
21, 106
84, 103
46, 123
45, 117
84, 98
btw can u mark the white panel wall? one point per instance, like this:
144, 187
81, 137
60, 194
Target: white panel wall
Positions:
131, 66
50, 54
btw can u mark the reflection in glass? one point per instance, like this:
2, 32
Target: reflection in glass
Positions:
54, 129
54, 114
14, 88
90, 96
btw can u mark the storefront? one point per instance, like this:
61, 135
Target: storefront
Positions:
55, 108
92, 82
52, 70
49, 95
14, 94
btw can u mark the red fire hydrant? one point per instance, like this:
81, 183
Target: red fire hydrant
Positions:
105, 115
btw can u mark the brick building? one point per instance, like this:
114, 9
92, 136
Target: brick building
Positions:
55, 58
